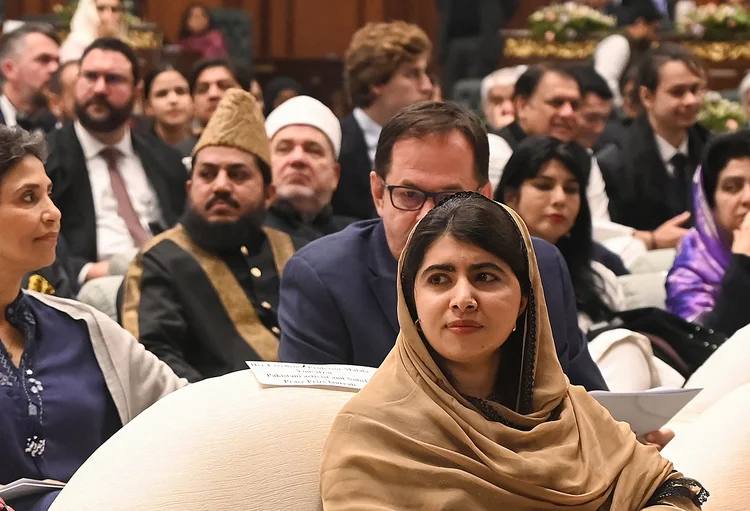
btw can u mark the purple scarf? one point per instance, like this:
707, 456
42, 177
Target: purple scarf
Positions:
702, 260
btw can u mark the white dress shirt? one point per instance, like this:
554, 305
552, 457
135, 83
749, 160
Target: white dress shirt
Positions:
10, 113
668, 151
112, 235
611, 57
371, 131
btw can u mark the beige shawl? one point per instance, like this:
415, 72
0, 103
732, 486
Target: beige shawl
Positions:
409, 440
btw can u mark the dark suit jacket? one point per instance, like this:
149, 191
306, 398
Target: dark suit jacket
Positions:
47, 122
338, 304
353, 197
637, 181
71, 192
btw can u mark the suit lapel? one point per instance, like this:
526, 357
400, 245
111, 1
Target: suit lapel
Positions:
382, 278
156, 175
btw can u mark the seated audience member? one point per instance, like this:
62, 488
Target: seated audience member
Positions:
209, 80
29, 57
649, 175
710, 281
622, 117
338, 294
92, 20
615, 53
279, 90
305, 141
169, 104
542, 182
596, 106
496, 93
199, 35
115, 187
62, 89
203, 295
473, 396
385, 70
69, 376
546, 99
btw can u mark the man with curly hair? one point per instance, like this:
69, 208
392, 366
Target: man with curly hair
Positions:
385, 71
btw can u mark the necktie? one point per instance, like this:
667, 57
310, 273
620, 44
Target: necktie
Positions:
682, 180
124, 205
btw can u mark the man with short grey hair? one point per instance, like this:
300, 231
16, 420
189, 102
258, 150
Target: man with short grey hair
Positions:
29, 56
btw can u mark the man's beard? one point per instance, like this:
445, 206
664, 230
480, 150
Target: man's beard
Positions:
223, 236
116, 118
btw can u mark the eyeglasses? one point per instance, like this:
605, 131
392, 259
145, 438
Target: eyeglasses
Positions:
407, 198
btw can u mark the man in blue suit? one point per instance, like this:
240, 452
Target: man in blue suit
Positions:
338, 294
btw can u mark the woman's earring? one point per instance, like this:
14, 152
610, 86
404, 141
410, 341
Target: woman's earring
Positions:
419, 327
514, 327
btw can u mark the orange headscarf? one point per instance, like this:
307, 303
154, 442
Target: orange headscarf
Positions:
410, 440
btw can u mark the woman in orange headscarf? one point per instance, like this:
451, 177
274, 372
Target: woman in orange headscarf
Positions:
471, 409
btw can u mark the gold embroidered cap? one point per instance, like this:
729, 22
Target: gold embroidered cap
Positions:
237, 122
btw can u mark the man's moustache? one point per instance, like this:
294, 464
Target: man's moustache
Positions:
228, 200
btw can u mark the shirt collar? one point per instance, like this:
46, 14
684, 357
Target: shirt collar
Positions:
370, 128
93, 147
9, 111
668, 151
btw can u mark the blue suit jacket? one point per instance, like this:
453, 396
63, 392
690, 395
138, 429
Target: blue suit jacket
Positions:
339, 298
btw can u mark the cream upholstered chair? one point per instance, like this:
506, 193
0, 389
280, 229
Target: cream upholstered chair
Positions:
715, 449
221, 444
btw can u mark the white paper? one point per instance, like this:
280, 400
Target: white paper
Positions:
282, 374
645, 411
25, 487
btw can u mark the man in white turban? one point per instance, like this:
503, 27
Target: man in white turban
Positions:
305, 140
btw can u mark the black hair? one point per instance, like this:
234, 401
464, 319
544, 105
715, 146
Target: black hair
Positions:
434, 118
16, 144
473, 219
116, 45
591, 82
184, 30
528, 82
204, 64
148, 81
649, 67
639, 9
577, 248
717, 155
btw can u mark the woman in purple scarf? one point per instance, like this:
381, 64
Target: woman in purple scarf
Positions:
709, 283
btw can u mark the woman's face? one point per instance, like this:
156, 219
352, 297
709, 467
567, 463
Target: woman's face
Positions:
197, 20
110, 13
467, 300
732, 195
549, 203
169, 101
30, 220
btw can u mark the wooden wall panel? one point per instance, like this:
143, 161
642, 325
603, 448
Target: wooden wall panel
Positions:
283, 28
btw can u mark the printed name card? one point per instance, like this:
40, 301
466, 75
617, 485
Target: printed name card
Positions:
280, 374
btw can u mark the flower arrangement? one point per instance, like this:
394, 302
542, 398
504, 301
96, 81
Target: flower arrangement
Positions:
719, 114
713, 22
568, 21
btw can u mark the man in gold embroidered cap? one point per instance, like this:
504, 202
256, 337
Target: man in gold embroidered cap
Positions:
203, 295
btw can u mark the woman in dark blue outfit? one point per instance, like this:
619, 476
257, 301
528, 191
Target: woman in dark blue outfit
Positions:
69, 376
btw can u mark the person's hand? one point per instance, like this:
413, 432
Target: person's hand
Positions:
658, 439
98, 270
3, 506
669, 234
741, 243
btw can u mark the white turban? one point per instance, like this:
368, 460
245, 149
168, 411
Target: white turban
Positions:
307, 111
